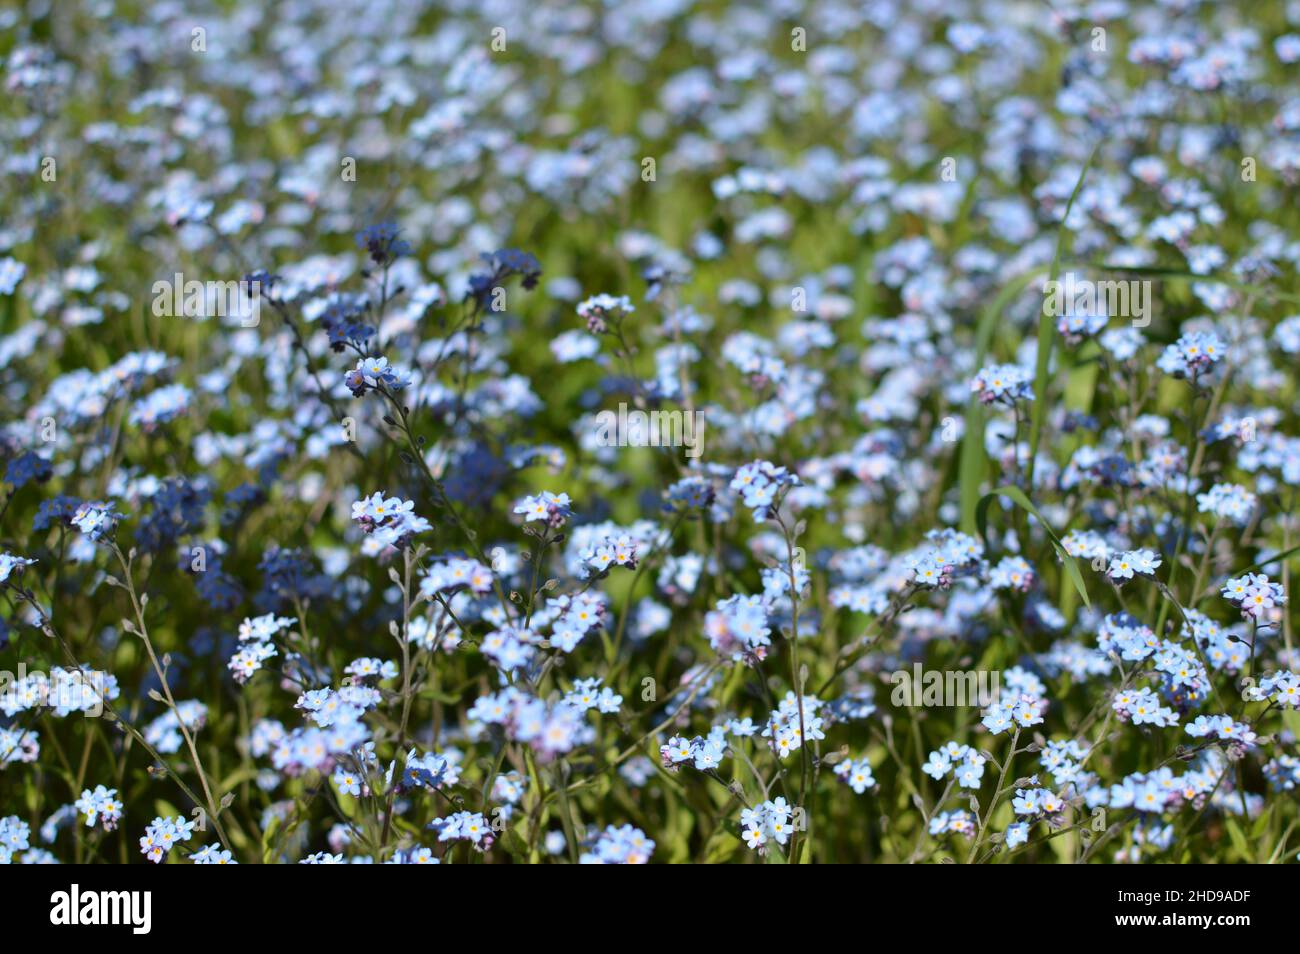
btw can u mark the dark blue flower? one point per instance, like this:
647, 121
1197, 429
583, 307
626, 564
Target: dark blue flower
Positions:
26, 468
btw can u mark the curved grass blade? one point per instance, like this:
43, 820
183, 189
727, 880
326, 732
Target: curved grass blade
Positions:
1047, 326
973, 462
1017, 496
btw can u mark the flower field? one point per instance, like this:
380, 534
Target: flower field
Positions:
819, 431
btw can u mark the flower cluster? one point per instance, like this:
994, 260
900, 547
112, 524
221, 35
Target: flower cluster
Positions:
553, 509
101, 807
738, 627
1282, 688
15, 836
856, 773
1126, 565
550, 730
97, 520
1256, 595
164, 733
375, 374
164, 834
619, 845
1228, 502
11, 565
949, 553
388, 521
612, 552
964, 763
1192, 355
1142, 707
464, 826
256, 646
793, 723
771, 820
760, 485
704, 753
1003, 383
1036, 801
600, 310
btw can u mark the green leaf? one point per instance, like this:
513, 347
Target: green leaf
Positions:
775, 854
1239, 839
268, 840
514, 845
721, 847
1291, 719
439, 695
